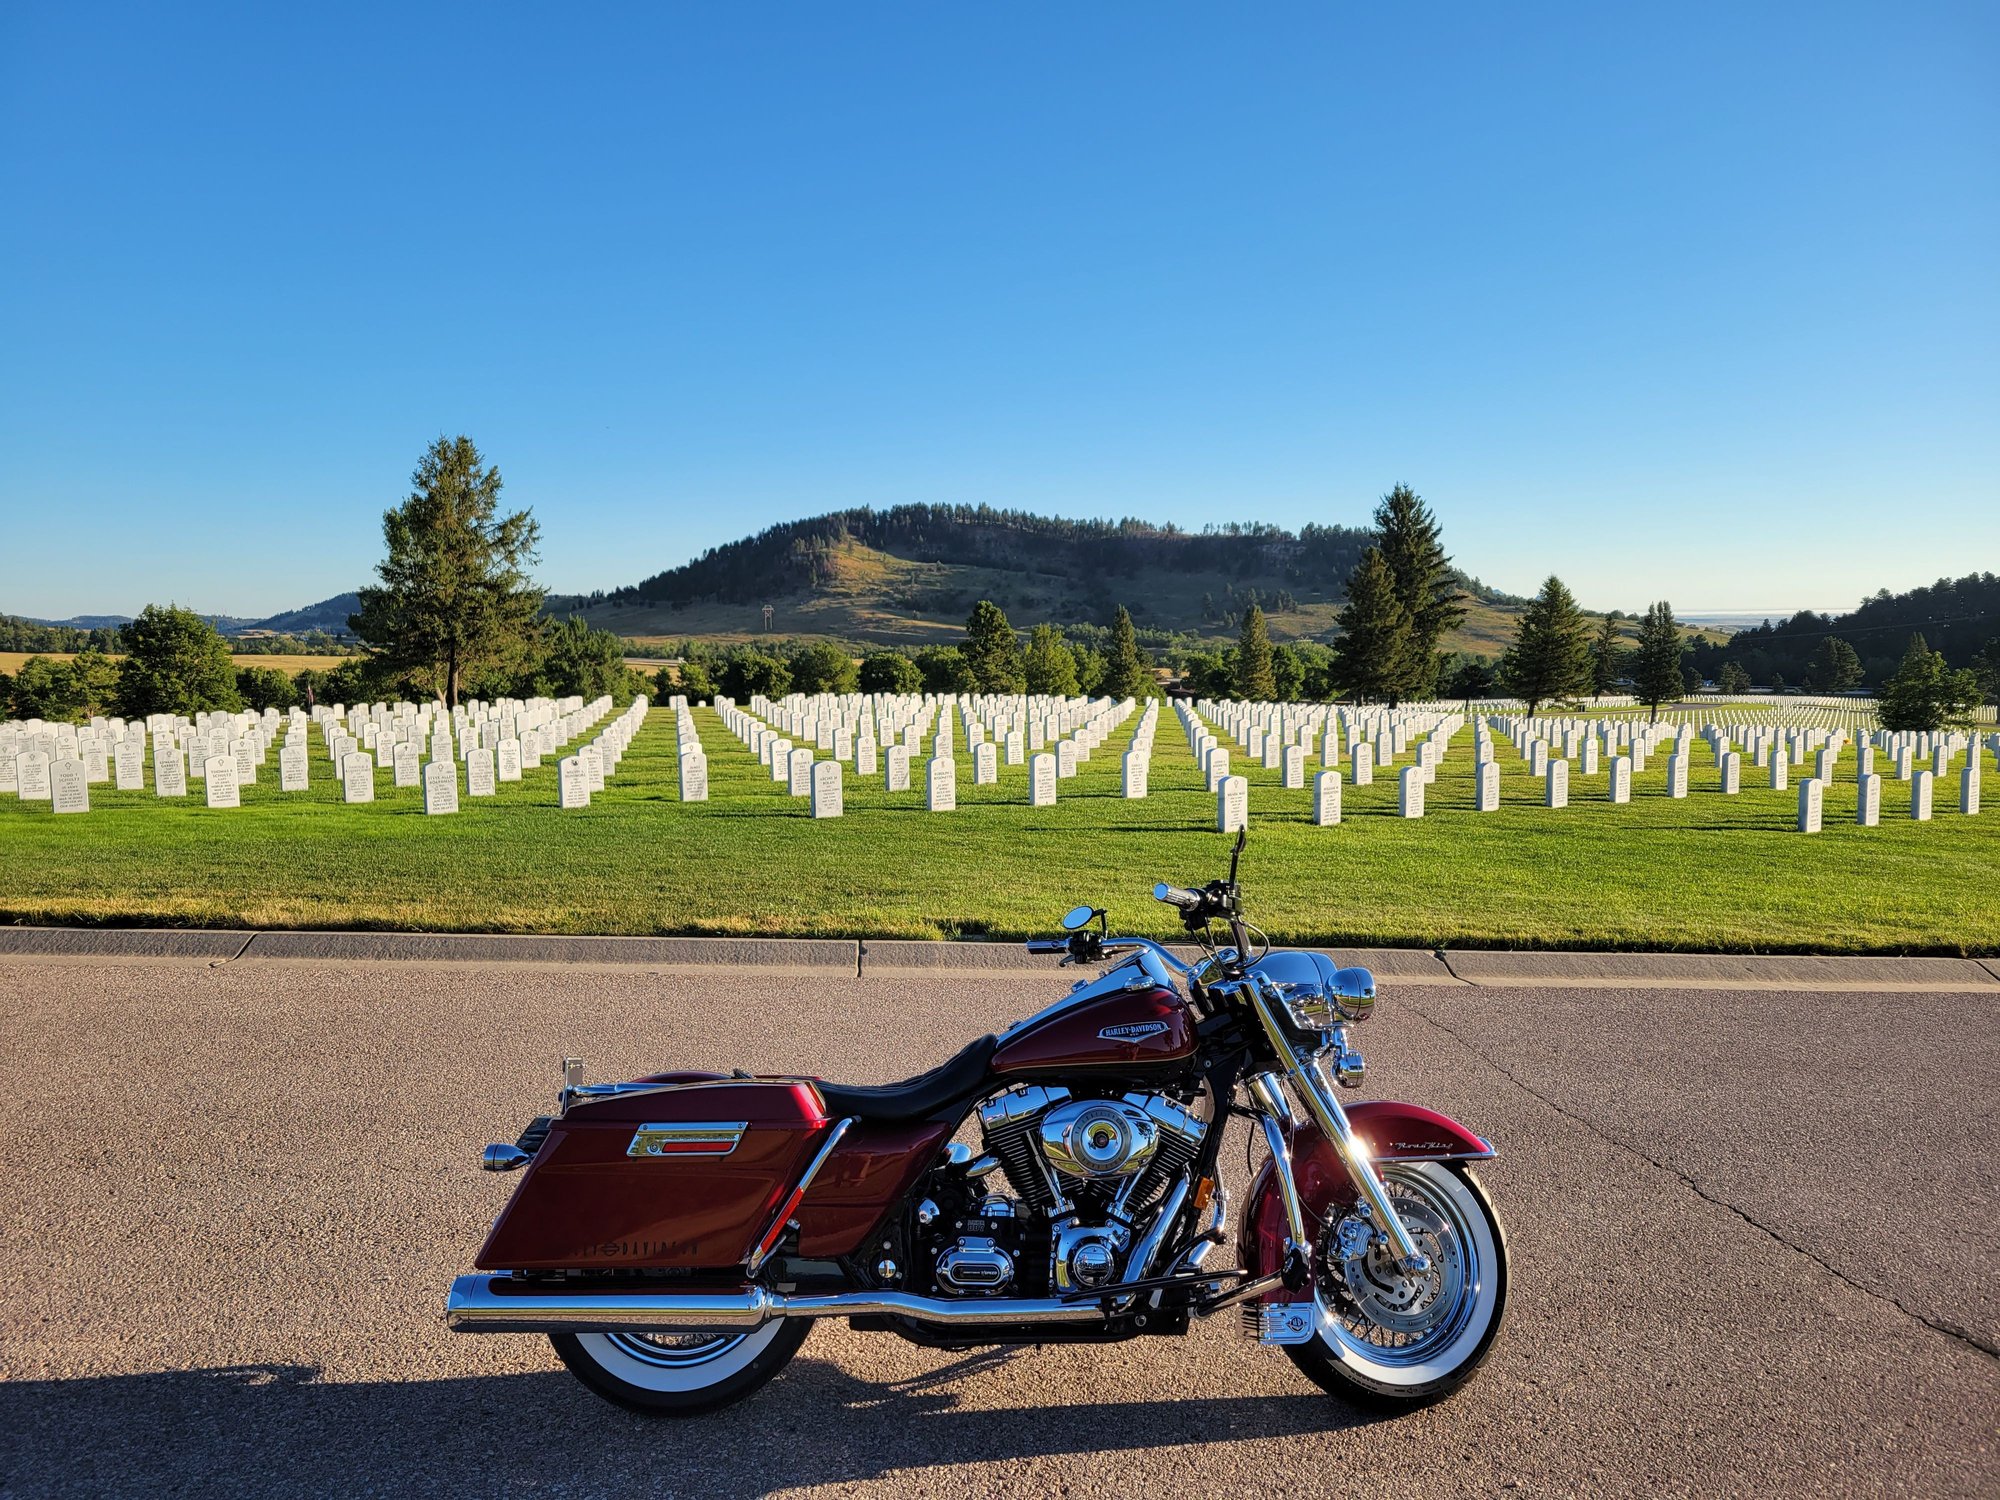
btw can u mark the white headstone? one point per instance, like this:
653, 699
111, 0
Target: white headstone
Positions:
828, 797
941, 784
694, 778
1410, 792
1732, 773
507, 760
1780, 772
985, 764
896, 768
1968, 786
1364, 765
294, 767
169, 772
219, 772
1041, 779
1486, 791
572, 782
1621, 778
1920, 795
1066, 758
357, 777
1555, 791
1232, 804
1138, 770
1868, 801
479, 774
800, 778
1295, 766
130, 761
1811, 792
1326, 798
69, 786
1587, 765
408, 767
441, 786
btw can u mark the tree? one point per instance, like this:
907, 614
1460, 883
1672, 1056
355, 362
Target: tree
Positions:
175, 663
1050, 666
1656, 663
749, 673
1925, 692
1255, 681
1288, 674
1374, 632
1834, 667
1209, 674
888, 672
1475, 678
944, 669
1550, 657
1606, 657
581, 659
1127, 674
823, 668
265, 687
690, 679
992, 650
1091, 665
455, 598
1425, 586
1777, 682
48, 689
1986, 666
1732, 678
1690, 679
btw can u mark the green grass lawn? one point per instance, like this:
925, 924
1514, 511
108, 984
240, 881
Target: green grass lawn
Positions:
1709, 872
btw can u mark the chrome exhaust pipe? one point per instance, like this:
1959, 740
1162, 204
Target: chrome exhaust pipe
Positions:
499, 1304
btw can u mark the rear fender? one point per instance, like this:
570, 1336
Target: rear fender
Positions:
1393, 1132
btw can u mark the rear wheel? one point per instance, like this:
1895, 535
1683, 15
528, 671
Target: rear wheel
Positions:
1388, 1339
680, 1375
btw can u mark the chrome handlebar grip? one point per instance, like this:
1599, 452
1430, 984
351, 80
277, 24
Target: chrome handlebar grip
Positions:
1177, 895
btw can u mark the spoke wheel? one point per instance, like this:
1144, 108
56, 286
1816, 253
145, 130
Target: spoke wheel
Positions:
665, 1374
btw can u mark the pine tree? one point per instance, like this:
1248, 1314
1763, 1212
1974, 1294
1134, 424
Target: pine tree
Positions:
1550, 657
1426, 587
1050, 666
992, 650
1835, 667
1732, 678
1128, 674
1656, 664
455, 599
1255, 681
1605, 658
1924, 693
1374, 632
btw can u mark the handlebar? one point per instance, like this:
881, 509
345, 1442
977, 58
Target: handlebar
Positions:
1177, 895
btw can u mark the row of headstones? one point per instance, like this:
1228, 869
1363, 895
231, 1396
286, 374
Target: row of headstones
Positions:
822, 781
850, 727
1286, 747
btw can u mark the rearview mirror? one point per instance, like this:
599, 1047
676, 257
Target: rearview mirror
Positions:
1078, 917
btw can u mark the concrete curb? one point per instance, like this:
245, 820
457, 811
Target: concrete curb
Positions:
896, 958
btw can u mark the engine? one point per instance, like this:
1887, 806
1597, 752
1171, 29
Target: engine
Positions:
1085, 1170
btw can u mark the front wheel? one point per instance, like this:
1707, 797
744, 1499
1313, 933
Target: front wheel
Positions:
676, 1375
1387, 1339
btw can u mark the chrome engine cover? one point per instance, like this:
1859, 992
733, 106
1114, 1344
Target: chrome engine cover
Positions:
975, 1263
1094, 1138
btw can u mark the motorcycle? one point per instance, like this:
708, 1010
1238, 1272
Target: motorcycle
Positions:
676, 1236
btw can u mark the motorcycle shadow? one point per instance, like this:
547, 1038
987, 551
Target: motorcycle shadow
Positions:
247, 1428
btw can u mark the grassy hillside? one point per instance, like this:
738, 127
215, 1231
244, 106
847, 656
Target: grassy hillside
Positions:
865, 594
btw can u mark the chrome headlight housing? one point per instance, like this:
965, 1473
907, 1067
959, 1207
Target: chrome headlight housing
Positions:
1317, 995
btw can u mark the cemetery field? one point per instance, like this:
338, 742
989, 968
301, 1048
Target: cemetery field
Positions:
1710, 872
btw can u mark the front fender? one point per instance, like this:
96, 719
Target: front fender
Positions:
1394, 1132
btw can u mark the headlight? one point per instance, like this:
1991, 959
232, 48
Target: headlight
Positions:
1316, 995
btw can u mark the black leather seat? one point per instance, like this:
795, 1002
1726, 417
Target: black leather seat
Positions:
947, 1084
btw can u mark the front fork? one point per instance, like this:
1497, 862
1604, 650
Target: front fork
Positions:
1308, 1077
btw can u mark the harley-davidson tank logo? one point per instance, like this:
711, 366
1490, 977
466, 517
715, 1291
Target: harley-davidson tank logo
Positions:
1132, 1031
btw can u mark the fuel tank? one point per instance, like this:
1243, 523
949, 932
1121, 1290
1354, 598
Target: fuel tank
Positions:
685, 1177
1128, 1021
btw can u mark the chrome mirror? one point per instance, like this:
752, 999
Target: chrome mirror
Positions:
1078, 917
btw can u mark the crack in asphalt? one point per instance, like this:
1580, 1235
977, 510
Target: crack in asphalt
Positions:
1444, 958
238, 953
1937, 1325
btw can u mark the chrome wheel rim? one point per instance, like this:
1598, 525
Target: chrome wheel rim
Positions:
1387, 1317
675, 1351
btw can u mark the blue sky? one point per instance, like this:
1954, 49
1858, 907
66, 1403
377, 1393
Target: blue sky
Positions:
1693, 301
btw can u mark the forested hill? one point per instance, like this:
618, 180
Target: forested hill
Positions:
1956, 616
906, 572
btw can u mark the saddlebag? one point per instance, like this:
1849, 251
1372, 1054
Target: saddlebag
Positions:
685, 1178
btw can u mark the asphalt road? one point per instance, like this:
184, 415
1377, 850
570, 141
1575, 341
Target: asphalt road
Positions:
1753, 1238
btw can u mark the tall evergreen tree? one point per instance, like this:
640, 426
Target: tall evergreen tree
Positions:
1605, 658
1925, 693
1050, 665
1413, 547
455, 599
1255, 681
1128, 674
992, 650
1656, 663
1550, 657
1835, 667
1374, 638
1732, 678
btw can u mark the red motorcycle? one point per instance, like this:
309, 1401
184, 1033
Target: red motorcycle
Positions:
676, 1235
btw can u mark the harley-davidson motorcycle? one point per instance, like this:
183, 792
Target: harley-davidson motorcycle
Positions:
676, 1236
